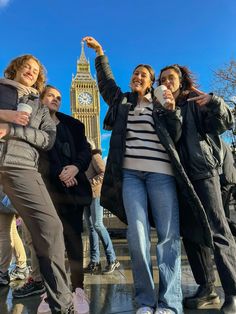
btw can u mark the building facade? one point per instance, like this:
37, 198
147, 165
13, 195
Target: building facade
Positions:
84, 99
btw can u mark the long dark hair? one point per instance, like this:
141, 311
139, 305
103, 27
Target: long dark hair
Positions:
186, 77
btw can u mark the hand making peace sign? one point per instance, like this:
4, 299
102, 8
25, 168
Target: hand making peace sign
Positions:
202, 99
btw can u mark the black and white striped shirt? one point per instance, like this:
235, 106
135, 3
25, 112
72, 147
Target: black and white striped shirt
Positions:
144, 151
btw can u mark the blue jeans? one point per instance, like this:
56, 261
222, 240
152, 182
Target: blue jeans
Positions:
139, 187
94, 218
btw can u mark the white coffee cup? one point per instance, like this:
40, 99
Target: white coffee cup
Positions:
24, 107
158, 93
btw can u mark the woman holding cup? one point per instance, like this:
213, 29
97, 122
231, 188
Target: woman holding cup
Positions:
22, 133
163, 95
205, 116
24, 108
139, 181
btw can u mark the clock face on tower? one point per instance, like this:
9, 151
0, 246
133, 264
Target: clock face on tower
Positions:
85, 98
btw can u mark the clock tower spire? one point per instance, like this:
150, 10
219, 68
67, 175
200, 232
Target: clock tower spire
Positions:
84, 99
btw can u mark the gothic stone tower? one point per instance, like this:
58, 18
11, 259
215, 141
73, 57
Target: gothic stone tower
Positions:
84, 98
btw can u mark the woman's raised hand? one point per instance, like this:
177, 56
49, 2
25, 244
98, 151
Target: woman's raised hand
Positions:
94, 44
202, 99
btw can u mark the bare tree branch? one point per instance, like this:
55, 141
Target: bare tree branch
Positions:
224, 82
224, 85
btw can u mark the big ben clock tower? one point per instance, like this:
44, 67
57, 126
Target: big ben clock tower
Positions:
84, 98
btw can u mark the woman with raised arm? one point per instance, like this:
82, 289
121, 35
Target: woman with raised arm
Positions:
205, 116
139, 181
21, 136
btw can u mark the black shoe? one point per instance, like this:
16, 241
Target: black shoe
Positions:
205, 295
4, 279
93, 268
31, 287
111, 267
229, 306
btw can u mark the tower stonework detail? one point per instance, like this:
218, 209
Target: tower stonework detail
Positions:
84, 99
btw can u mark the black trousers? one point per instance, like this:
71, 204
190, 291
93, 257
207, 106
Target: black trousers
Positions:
29, 196
72, 220
224, 249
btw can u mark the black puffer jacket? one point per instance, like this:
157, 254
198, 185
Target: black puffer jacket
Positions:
200, 146
168, 129
20, 147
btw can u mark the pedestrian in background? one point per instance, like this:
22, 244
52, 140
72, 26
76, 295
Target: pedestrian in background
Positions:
228, 182
10, 244
94, 218
63, 170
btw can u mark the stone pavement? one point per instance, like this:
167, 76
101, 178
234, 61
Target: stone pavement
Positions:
109, 294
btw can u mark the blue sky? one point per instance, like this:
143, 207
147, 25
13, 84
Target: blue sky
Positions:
199, 34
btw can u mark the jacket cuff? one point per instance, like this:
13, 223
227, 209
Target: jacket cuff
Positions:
78, 165
173, 113
101, 59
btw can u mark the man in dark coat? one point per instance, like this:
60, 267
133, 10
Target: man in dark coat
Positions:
66, 180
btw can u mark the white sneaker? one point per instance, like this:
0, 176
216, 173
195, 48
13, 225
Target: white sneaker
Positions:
145, 310
161, 310
81, 301
44, 306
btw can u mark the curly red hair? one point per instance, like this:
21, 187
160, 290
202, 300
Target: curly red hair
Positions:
17, 63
